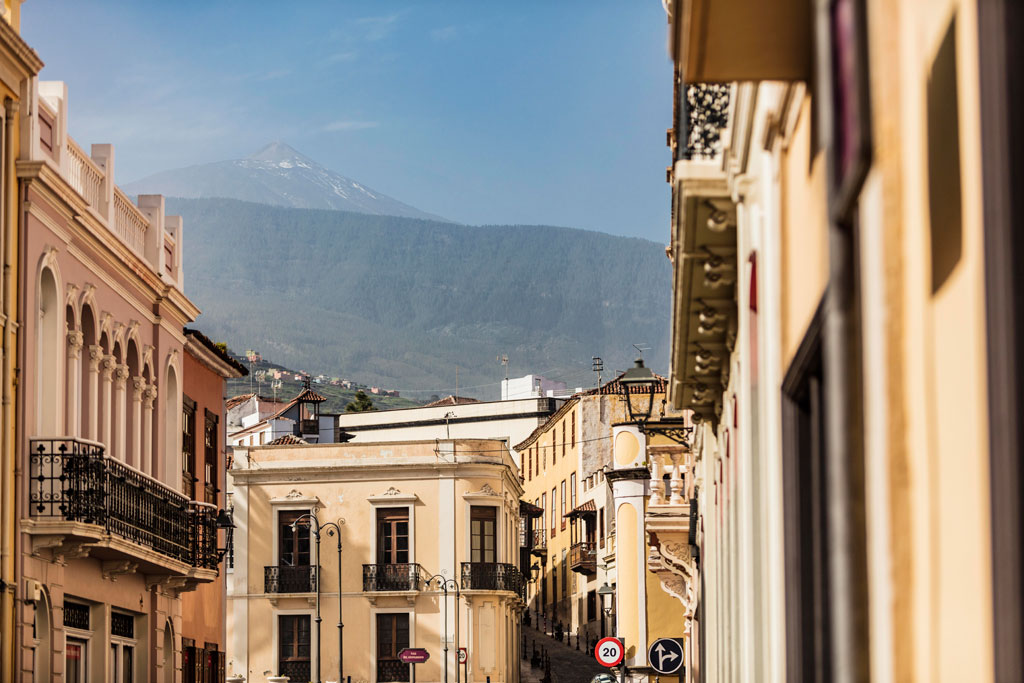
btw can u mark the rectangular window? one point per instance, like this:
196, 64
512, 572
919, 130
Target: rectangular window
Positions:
563, 438
293, 653
567, 576
553, 511
482, 522
188, 447
293, 545
210, 451
536, 461
572, 489
392, 535
529, 473
544, 456
544, 507
573, 418
592, 606
600, 527
563, 505
392, 638
75, 662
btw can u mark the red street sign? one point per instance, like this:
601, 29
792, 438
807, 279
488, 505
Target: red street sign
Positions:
609, 651
413, 655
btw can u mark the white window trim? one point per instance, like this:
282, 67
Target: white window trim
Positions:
374, 611
393, 499
86, 636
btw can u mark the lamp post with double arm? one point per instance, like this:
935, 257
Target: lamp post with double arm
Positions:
446, 584
333, 529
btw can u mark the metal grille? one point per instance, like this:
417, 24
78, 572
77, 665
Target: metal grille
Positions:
75, 481
284, 579
392, 670
297, 671
392, 577
76, 615
707, 113
122, 625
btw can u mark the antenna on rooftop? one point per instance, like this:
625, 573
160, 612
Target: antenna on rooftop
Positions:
275, 385
597, 365
641, 348
261, 376
503, 359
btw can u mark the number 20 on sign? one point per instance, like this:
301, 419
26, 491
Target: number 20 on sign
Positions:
609, 651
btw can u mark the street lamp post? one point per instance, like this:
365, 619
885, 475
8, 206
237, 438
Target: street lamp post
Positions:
446, 584
604, 592
637, 387
333, 528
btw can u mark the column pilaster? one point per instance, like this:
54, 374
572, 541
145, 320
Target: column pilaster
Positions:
73, 392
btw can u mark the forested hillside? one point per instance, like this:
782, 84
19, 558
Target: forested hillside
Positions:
402, 301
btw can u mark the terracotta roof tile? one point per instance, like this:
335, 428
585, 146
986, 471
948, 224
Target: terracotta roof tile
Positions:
452, 401
288, 440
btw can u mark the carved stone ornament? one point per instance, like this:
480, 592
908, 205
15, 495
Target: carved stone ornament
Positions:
392, 491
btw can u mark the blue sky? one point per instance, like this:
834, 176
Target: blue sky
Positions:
533, 111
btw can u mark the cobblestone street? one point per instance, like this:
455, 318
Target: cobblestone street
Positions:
568, 665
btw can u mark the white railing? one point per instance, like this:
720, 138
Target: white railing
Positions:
82, 174
129, 223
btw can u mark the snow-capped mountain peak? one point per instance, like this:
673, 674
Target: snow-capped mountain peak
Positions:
276, 174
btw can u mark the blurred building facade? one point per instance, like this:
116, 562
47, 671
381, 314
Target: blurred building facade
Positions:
846, 333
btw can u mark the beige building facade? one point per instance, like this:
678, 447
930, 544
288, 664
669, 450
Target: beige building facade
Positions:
846, 331
414, 517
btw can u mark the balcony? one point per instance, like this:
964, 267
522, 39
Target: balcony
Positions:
493, 576
83, 502
540, 543
582, 558
392, 577
289, 579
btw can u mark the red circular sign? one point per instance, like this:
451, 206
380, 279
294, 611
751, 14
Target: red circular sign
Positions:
609, 652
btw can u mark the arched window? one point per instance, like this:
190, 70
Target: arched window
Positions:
168, 652
43, 639
172, 429
49, 357
90, 375
133, 417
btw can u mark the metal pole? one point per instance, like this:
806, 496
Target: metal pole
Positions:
444, 585
341, 626
318, 619
457, 669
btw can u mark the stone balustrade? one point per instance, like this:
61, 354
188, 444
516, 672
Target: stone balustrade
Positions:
144, 228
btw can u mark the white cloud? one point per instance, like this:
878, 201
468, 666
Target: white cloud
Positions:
441, 35
337, 126
377, 28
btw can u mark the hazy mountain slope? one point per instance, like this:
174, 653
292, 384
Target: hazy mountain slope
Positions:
276, 175
403, 301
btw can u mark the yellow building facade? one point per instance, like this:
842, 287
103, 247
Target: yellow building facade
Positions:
415, 518
844, 316
19, 64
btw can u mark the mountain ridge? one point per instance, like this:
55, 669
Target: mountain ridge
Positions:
404, 301
277, 175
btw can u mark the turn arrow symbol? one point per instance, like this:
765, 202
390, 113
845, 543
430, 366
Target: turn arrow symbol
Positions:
663, 657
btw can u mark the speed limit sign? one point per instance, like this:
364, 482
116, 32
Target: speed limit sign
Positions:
609, 651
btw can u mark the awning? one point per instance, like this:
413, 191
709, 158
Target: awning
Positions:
586, 508
529, 509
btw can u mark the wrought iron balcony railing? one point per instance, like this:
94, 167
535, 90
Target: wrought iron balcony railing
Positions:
74, 481
706, 113
392, 577
493, 576
540, 542
288, 579
582, 558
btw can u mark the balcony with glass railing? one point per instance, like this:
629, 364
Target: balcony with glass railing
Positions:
143, 228
82, 502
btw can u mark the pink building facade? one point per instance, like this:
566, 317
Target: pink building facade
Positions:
108, 540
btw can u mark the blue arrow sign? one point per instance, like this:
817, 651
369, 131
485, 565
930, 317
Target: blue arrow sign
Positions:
666, 655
